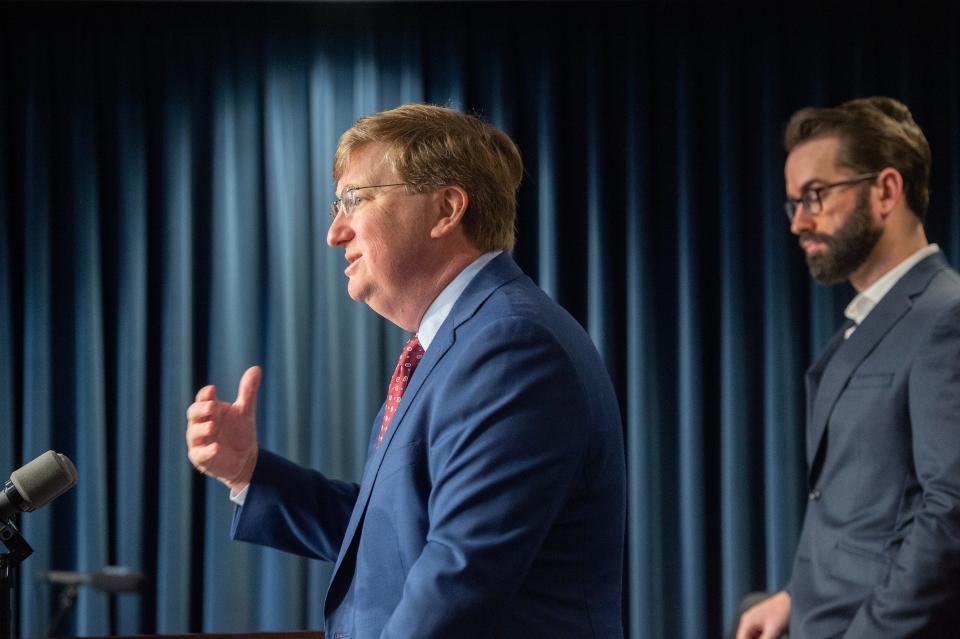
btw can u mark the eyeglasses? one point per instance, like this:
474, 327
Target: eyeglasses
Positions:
811, 199
348, 200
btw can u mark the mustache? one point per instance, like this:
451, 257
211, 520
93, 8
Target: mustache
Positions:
816, 237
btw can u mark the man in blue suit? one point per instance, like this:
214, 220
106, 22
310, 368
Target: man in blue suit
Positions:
492, 500
879, 553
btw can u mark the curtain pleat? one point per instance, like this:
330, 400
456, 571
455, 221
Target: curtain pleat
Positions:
8, 355
89, 438
734, 326
179, 259
130, 377
647, 559
689, 355
37, 401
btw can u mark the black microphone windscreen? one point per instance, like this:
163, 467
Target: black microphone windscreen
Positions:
44, 479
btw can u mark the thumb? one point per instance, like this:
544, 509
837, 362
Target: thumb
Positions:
247, 393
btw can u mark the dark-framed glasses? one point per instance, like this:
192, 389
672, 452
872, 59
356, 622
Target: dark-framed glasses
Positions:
812, 199
348, 200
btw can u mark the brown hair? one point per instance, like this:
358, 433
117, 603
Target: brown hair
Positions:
433, 146
874, 133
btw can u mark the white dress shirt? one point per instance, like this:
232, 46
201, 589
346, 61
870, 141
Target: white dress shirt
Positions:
860, 306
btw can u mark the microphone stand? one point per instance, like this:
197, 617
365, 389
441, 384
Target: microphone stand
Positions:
67, 598
9, 562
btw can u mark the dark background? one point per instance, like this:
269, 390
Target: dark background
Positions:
164, 181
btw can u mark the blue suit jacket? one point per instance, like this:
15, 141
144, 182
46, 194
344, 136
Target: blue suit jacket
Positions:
494, 506
879, 554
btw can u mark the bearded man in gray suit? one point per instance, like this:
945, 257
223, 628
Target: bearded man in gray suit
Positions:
879, 553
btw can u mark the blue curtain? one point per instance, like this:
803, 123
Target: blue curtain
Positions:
165, 172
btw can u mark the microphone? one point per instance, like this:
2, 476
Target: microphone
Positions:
36, 484
107, 579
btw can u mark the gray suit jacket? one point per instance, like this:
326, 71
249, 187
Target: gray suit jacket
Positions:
879, 553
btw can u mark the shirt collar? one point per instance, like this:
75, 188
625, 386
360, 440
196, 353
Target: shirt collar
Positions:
443, 303
861, 305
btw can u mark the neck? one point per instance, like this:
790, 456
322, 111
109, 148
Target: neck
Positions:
433, 282
886, 255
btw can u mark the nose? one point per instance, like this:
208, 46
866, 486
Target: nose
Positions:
802, 221
340, 231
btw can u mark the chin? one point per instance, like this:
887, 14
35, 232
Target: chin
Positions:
357, 291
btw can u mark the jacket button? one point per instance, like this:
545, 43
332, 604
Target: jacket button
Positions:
814, 495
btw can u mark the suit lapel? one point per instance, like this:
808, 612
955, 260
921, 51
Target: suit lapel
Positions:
846, 359
829, 375
813, 378
498, 272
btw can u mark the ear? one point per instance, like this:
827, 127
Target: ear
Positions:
453, 203
890, 193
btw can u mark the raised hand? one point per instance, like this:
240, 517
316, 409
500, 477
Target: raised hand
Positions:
222, 436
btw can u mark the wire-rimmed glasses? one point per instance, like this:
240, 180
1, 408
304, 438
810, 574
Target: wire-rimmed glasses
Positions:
347, 202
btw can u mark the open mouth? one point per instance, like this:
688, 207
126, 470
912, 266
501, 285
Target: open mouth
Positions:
352, 259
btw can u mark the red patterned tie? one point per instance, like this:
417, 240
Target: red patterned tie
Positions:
409, 358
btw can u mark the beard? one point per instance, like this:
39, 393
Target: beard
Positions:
848, 248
